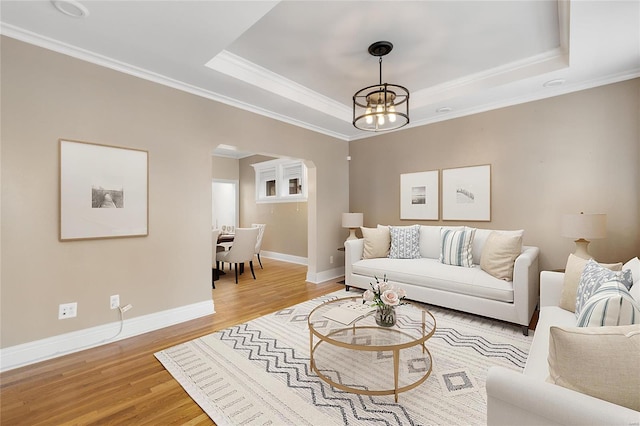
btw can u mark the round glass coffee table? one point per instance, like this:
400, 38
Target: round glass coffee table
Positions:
364, 358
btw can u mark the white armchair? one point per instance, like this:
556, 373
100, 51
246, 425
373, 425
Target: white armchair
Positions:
261, 227
242, 250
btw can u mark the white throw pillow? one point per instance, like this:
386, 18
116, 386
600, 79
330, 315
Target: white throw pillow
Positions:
610, 304
456, 247
499, 254
377, 242
430, 241
634, 266
610, 371
405, 242
572, 274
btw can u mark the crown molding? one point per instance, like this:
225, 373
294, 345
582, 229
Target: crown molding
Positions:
241, 69
104, 61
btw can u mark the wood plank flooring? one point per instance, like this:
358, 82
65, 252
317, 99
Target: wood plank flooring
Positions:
123, 384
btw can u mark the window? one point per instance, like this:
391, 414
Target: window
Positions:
280, 181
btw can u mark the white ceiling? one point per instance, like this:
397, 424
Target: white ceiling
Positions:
302, 61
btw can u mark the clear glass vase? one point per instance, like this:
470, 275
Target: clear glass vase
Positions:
386, 316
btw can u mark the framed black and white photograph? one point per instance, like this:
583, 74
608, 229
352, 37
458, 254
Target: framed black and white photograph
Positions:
104, 191
466, 193
419, 195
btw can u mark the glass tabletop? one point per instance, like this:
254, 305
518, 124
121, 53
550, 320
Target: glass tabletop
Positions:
414, 325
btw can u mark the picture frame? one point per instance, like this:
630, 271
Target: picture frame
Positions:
419, 195
466, 193
104, 191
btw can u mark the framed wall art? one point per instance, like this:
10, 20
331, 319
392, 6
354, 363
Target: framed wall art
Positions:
466, 193
419, 195
104, 191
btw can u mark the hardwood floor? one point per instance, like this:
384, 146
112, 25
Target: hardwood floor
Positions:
122, 382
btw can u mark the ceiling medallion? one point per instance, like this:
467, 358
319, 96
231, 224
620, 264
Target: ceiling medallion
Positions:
383, 106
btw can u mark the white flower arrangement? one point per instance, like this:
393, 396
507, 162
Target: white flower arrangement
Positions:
383, 295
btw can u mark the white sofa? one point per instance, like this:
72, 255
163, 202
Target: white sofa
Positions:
527, 399
466, 289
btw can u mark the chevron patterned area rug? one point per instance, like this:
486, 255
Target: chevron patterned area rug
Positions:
258, 373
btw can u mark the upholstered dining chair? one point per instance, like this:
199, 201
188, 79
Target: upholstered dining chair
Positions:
214, 264
261, 227
242, 250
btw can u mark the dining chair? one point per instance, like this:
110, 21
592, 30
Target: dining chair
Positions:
215, 233
261, 227
242, 250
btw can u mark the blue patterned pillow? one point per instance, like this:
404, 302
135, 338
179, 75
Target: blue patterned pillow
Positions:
456, 246
593, 276
405, 242
610, 304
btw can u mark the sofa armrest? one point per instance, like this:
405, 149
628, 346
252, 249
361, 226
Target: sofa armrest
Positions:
526, 283
513, 397
551, 284
353, 250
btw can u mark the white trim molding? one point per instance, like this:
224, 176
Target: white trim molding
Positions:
64, 344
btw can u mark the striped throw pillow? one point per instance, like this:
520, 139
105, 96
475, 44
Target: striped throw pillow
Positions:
456, 247
610, 304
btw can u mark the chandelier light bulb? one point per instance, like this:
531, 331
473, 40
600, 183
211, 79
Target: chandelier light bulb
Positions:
381, 119
369, 118
392, 115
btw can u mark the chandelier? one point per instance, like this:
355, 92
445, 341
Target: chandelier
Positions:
382, 106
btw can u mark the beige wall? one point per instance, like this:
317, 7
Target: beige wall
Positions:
572, 153
283, 219
46, 96
225, 168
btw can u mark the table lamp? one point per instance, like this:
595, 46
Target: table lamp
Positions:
584, 227
352, 221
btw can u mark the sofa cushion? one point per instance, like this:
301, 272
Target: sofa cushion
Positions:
499, 254
572, 274
405, 242
430, 241
433, 274
610, 304
608, 372
456, 247
593, 276
377, 242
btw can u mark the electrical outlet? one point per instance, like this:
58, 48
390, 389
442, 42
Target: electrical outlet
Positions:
330, 259
67, 310
114, 301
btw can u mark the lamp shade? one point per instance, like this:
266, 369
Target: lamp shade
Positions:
352, 220
584, 226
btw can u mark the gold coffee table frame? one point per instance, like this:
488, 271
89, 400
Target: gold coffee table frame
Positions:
407, 340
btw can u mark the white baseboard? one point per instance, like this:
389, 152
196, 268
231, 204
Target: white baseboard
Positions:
323, 276
284, 257
316, 278
52, 347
